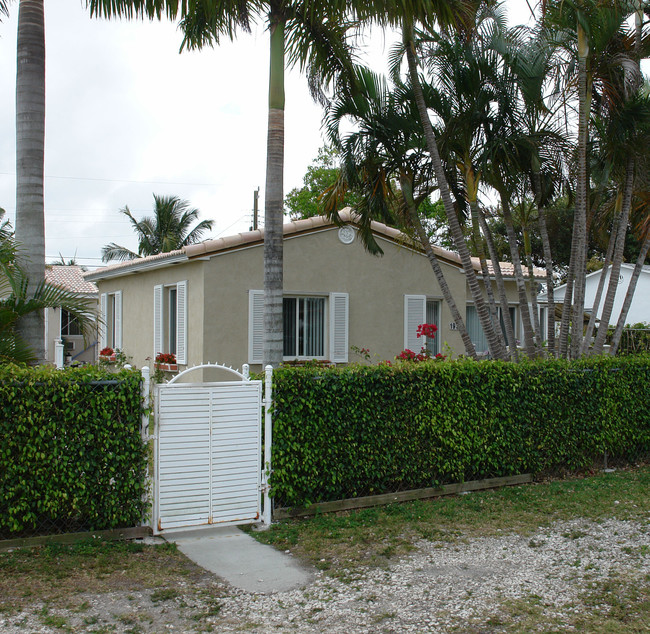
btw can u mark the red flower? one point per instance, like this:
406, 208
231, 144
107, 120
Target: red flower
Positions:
106, 352
166, 357
427, 330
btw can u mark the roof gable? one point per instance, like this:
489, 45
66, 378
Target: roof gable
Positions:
210, 248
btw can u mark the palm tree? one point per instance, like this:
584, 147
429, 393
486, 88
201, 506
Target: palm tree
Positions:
462, 16
169, 229
312, 35
30, 150
20, 299
599, 45
386, 146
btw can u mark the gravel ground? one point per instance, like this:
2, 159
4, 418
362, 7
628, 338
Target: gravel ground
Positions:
439, 587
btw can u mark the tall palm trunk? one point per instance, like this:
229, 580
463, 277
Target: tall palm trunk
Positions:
579, 248
407, 191
273, 216
471, 186
30, 151
494, 340
616, 339
529, 342
528, 252
501, 289
550, 298
601, 282
608, 305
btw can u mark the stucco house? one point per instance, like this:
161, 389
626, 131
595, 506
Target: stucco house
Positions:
204, 303
60, 325
640, 307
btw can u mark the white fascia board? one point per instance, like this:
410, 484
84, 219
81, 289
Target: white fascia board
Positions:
138, 267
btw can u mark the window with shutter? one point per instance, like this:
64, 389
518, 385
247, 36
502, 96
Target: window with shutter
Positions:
414, 315
339, 317
314, 327
110, 328
170, 320
255, 327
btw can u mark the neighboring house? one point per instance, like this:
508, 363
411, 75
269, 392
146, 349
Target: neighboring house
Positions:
640, 307
60, 325
205, 302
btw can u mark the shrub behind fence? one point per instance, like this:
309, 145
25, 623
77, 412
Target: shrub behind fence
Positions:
71, 452
341, 433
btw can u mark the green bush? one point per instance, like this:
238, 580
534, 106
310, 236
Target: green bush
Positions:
364, 430
71, 453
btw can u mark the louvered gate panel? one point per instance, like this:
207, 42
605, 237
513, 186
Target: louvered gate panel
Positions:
236, 451
209, 454
183, 457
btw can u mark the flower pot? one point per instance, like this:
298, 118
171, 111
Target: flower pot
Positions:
167, 367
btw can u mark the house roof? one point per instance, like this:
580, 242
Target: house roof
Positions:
70, 278
294, 228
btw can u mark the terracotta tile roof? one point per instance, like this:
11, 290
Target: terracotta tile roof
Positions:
301, 226
293, 228
69, 277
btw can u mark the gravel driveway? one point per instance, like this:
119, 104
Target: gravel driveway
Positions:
485, 585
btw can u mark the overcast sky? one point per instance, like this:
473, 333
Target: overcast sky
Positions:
127, 116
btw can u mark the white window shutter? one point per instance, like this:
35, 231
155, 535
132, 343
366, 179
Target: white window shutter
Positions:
339, 317
103, 302
181, 322
157, 320
415, 313
118, 320
255, 327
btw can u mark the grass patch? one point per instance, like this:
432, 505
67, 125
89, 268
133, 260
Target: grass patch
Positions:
56, 573
339, 542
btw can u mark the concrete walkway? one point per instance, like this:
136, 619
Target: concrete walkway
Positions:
242, 561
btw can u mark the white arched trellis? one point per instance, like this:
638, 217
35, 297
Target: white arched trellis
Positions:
208, 450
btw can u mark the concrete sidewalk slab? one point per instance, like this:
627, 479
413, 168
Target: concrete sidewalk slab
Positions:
242, 561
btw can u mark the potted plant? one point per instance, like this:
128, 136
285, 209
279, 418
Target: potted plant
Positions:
107, 355
166, 361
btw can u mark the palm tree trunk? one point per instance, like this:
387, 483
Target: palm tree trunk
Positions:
495, 341
616, 339
273, 205
407, 192
601, 283
503, 298
30, 152
580, 219
550, 299
480, 251
529, 343
608, 305
533, 288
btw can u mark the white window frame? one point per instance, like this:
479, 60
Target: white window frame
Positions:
161, 310
335, 326
111, 339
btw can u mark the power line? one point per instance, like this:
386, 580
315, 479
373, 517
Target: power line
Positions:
121, 180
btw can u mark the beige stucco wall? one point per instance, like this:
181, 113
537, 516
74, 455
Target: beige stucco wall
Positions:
319, 263
315, 263
83, 352
137, 309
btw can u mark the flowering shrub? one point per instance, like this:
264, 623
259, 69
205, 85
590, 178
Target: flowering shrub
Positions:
166, 357
427, 330
106, 352
424, 330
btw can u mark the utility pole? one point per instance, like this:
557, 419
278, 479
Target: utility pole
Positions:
256, 197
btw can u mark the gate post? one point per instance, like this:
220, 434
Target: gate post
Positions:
268, 440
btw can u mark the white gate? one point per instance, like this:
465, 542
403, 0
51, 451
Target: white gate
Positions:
209, 453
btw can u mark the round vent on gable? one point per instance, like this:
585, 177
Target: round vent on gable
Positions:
346, 234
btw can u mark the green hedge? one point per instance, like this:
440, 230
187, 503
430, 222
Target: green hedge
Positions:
363, 430
71, 454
